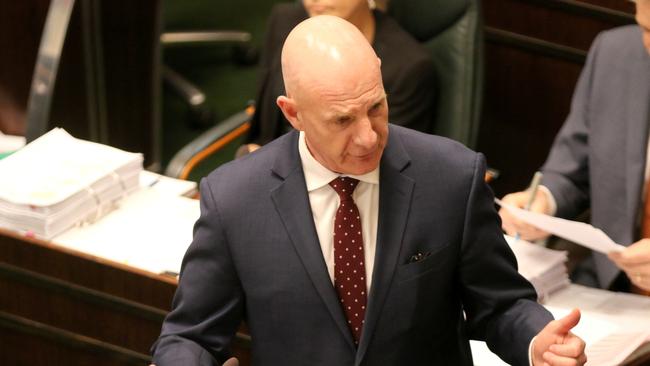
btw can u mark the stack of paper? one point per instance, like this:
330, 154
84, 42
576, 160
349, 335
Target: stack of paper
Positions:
57, 181
544, 268
612, 324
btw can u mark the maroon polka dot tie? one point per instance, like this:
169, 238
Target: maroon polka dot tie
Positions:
349, 268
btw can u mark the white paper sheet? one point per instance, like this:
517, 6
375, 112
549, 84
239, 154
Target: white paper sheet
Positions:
612, 324
9, 143
167, 185
150, 231
578, 232
609, 341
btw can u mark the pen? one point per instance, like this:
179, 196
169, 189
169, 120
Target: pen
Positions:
532, 192
534, 184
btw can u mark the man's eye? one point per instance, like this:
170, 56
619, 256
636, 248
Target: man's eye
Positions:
343, 120
375, 108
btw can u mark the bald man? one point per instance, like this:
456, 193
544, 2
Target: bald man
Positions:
350, 241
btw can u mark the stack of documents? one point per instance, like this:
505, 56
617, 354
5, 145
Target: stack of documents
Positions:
58, 181
612, 324
544, 268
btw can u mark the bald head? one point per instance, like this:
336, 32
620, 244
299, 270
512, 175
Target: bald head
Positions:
335, 94
324, 51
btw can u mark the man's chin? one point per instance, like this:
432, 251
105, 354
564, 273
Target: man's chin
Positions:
364, 167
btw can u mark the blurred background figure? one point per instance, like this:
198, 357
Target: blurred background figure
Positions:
599, 160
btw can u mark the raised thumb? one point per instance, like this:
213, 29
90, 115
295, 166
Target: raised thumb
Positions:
565, 324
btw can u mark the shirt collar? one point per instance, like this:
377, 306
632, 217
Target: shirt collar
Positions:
317, 176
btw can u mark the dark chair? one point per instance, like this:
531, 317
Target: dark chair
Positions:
243, 52
450, 29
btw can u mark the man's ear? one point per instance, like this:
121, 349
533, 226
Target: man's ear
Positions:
288, 107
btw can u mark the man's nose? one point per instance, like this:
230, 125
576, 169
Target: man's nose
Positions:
365, 135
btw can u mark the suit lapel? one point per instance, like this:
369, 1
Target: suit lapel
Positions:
638, 111
395, 190
291, 201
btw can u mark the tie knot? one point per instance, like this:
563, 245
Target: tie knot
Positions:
344, 186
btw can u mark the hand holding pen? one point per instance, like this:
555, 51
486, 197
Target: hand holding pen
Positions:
531, 199
532, 192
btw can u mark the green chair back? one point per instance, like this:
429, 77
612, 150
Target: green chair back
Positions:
452, 32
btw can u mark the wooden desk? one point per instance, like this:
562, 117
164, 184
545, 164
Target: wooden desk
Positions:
63, 307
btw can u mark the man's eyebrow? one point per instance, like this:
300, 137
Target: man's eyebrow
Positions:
346, 112
380, 99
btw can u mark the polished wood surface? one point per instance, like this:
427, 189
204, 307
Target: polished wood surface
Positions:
19, 44
70, 308
534, 51
85, 306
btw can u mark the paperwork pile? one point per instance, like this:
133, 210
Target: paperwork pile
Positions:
544, 268
613, 325
58, 181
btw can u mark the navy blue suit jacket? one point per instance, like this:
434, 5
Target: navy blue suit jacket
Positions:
256, 257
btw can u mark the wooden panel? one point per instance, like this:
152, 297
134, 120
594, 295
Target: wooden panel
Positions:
553, 21
81, 305
109, 73
534, 51
77, 310
26, 342
87, 271
20, 25
130, 31
527, 99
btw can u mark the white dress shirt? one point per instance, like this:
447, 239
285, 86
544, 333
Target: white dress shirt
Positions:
325, 201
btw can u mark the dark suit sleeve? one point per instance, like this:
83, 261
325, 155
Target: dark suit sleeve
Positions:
413, 94
209, 304
566, 171
500, 305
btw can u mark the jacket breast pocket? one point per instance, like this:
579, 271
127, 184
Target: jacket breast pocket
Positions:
432, 262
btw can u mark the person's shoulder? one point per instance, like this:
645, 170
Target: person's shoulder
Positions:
625, 39
423, 145
254, 169
624, 33
430, 157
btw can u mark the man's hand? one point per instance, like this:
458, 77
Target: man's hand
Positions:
556, 345
512, 226
231, 362
635, 262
